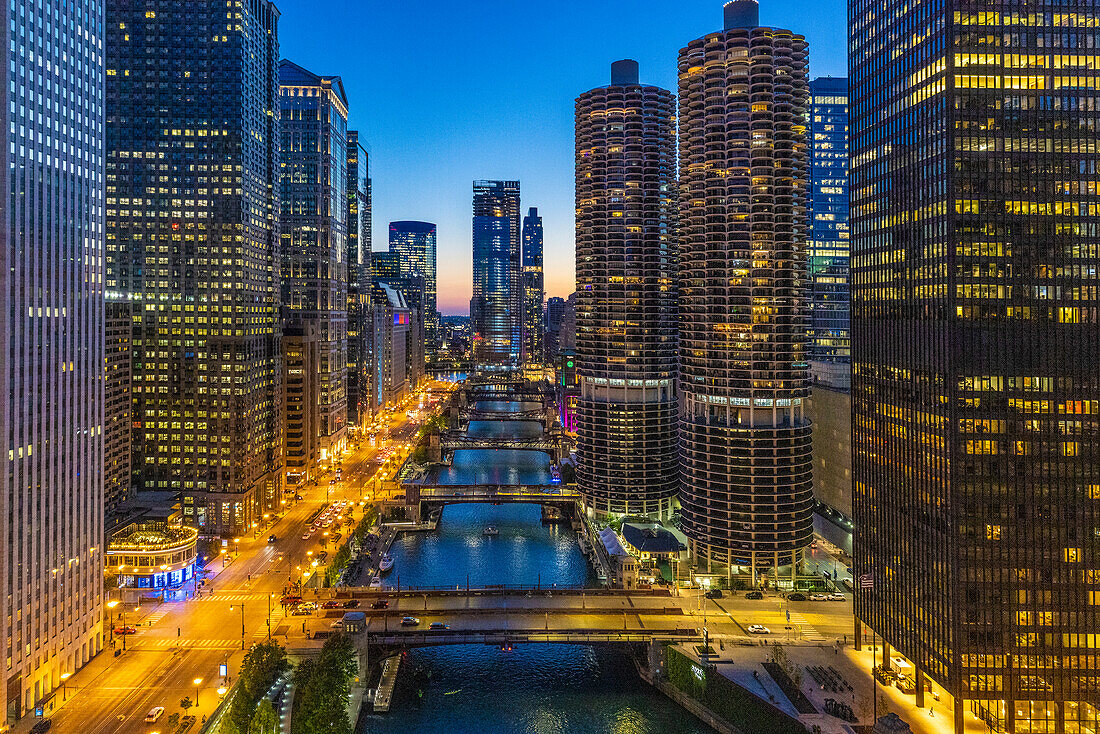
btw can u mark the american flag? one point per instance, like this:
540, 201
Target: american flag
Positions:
866, 581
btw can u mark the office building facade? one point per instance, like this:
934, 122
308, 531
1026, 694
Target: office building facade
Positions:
627, 453
117, 409
301, 405
497, 304
747, 494
534, 289
360, 329
192, 240
414, 243
52, 407
830, 345
555, 311
313, 132
975, 344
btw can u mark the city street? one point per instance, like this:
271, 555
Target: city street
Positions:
178, 643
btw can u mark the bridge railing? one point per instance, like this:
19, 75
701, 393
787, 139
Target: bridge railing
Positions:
444, 491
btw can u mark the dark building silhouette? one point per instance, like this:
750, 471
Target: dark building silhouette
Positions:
626, 297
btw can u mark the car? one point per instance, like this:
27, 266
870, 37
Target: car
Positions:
308, 606
299, 612
271, 538
338, 624
796, 596
837, 596
380, 604
439, 626
818, 597
759, 629
754, 595
409, 621
125, 630
332, 605
306, 536
154, 713
714, 594
352, 604
42, 726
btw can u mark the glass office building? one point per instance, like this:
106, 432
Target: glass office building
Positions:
52, 363
193, 241
359, 281
626, 357
534, 291
496, 309
829, 350
313, 187
975, 345
414, 244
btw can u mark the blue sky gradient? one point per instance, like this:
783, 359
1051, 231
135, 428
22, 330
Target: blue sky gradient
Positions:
447, 92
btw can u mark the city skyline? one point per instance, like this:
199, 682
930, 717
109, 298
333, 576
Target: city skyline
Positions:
422, 175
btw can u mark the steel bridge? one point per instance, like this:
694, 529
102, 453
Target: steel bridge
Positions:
543, 443
450, 494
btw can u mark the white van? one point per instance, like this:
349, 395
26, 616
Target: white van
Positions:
154, 713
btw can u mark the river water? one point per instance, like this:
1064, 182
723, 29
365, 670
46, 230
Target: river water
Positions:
534, 689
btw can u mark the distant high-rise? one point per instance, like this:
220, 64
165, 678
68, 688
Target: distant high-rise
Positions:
975, 345
747, 497
829, 350
386, 266
51, 406
313, 129
626, 296
497, 305
555, 311
360, 329
534, 291
193, 241
414, 243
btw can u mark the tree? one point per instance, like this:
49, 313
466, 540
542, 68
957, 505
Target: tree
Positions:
261, 667
323, 687
265, 720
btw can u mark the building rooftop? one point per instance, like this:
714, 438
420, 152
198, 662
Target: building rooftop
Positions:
653, 538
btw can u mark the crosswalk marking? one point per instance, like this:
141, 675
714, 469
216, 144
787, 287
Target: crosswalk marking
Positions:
156, 616
809, 632
236, 597
172, 642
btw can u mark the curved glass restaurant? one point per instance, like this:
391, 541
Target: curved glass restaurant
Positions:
153, 558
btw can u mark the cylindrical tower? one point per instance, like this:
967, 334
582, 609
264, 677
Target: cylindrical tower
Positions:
747, 496
626, 305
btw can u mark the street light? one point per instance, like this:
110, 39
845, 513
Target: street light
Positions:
111, 605
64, 685
242, 624
198, 682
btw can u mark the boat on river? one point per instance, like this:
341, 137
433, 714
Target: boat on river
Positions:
386, 564
490, 530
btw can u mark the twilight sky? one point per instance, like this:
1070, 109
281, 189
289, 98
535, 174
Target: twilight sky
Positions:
447, 92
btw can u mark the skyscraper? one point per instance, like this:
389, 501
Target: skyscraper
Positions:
497, 305
313, 130
358, 258
555, 311
117, 400
192, 239
626, 304
829, 351
534, 291
51, 407
414, 243
975, 345
745, 442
